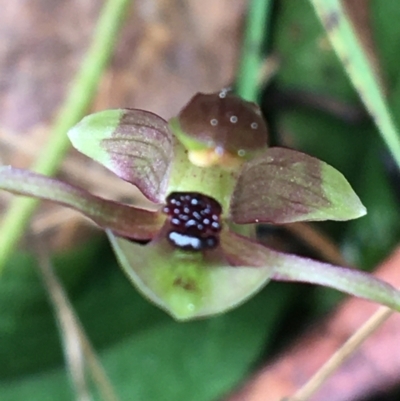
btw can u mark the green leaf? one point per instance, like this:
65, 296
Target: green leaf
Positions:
144, 345
285, 186
134, 144
122, 219
29, 340
350, 51
190, 284
311, 67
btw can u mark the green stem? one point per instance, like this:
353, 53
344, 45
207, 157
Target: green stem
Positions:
349, 49
252, 50
81, 95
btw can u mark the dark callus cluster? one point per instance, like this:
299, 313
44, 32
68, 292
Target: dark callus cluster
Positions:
195, 220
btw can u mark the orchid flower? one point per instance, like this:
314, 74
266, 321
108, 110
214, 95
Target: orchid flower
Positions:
212, 179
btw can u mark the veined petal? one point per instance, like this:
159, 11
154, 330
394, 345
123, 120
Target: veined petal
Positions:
187, 285
285, 186
350, 281
122, 219
134, 144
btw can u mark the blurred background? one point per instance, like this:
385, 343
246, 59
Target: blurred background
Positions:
166, 51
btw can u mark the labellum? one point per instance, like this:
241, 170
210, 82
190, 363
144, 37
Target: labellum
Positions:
195, 220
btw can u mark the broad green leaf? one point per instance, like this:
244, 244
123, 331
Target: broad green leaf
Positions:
122, 219
29, 339
285, 186
143, 345
191, 284
221, 121
134, 144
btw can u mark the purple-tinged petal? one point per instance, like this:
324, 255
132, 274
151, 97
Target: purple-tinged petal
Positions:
284, 267
134, 144
122, 219
350, 281
222, 121
186, 284
243, 251
285, 186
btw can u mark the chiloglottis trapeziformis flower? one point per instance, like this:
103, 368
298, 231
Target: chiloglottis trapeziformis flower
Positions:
211, 178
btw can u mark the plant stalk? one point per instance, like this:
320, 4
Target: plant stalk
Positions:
81, 94
341, 355
252, 57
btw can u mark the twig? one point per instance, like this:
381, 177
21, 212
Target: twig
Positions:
77, 348
318, 241
351, 345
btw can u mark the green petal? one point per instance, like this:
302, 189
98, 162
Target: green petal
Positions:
350, 281
134, 144
122, 219
285, 186
187, 284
